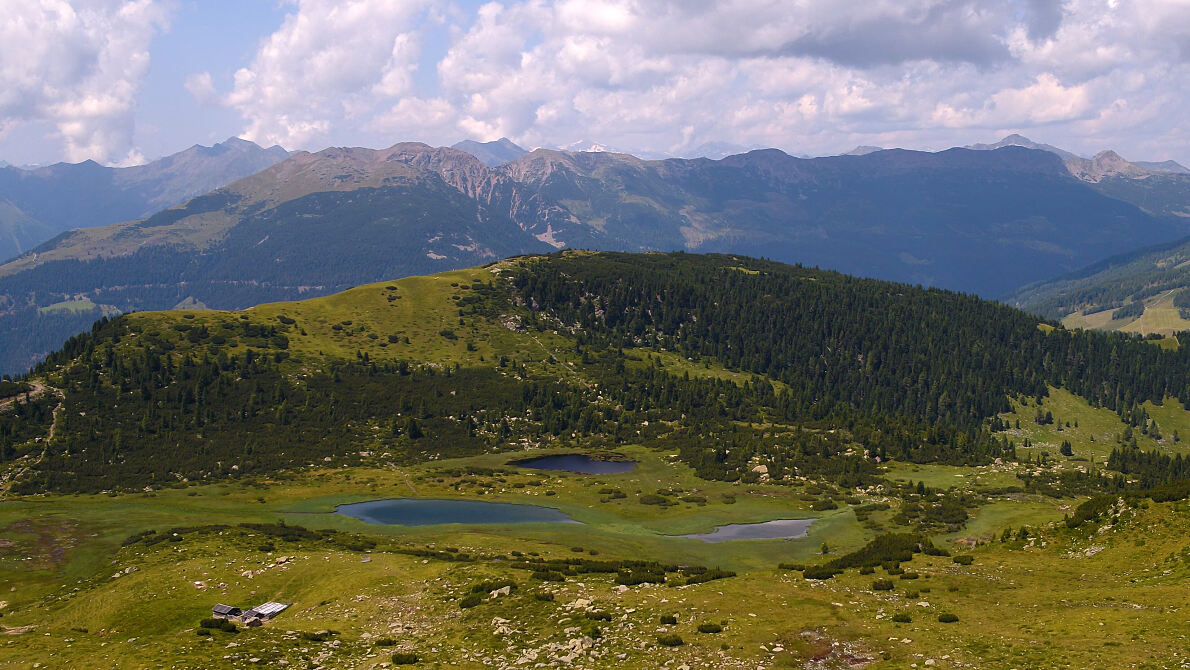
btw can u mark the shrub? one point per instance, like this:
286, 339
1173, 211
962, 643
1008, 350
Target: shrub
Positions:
817, 572
964, 559
470, 601
901, 617
947, 617
670, 640
882, 585
385, 642
548, 576
824, 505
867, 570
544, 596
910, 575
405, 658
218, 624
709, 627
488, 586
653, 499
202, 631
599, 616
929, 549
669, 620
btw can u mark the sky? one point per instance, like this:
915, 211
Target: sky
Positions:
125, 81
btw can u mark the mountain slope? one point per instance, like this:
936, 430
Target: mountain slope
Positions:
977, 221
1144, 291
42, 202
541, 349
983, 222
1161, 189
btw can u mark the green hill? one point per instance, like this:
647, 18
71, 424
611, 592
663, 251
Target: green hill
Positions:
540, 349
960, 464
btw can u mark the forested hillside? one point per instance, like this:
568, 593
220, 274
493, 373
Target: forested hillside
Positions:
985, 222
1117, 292
718, 359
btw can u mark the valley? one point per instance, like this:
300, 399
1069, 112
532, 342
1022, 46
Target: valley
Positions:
198, 457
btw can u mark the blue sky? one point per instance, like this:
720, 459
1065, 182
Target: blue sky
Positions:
123, 81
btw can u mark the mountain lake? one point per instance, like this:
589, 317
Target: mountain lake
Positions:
429, 512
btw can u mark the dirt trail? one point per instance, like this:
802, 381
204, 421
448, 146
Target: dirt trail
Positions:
408, 482
40, 389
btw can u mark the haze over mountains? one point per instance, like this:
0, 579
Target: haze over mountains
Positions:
39, 203
985, 220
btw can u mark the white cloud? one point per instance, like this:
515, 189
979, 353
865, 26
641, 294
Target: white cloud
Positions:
811, 76
329, 62
201, 87
79, 66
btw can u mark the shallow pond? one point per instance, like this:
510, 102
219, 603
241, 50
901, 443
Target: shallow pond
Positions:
429, 511
767, 530
579, 463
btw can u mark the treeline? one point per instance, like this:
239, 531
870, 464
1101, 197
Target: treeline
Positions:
843, 345
1150, 468
145, 408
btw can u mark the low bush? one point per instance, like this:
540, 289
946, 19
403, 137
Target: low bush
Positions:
964, 559
710, 628
668, 620
670, 640
470, 601
817, 572
548, 576
947, 617
405, 658
882, 585
224, 625
901, 617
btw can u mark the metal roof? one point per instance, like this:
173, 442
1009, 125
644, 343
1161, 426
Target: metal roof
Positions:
224, 609
270, 608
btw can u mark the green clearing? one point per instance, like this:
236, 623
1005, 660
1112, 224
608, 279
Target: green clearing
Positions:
76, 307
83, 614
1160, 317
1097, 431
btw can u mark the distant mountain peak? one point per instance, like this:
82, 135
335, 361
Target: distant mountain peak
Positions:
492, 154
863, 150
1106, 163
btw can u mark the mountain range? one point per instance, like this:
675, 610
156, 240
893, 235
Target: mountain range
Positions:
38, 203
981, 221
